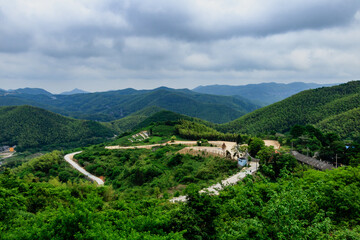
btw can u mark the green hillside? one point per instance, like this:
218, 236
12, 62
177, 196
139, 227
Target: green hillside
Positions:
128, 123
162, 116
113, 105
305, 205
307, 107
136, 172
346, 124
31, 127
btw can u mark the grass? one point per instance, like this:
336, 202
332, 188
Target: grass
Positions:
155, 139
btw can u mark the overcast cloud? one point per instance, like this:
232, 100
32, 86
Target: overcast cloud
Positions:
99, 45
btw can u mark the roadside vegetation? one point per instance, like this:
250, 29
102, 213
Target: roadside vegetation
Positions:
42, 197
154, 172
302, 204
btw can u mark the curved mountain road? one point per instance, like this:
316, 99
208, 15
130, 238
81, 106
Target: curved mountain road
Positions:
214, 189
70, 159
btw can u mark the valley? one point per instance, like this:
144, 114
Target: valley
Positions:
159, 174
179, 120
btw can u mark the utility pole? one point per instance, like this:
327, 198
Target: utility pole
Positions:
336, 160
307, 151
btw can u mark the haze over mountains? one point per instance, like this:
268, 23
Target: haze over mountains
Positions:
30, 91
333, 109
74, 91
112, 105
263, 93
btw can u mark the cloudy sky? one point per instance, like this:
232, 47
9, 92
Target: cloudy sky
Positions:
99, 45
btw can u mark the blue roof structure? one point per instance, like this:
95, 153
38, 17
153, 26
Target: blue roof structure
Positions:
242, 162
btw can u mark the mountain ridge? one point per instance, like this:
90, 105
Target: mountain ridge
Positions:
265, 93
112, 105
74, 91
307, 107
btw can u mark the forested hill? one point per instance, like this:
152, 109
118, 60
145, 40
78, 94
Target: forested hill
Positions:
31, 127
264, 93
129, 122
324, 106
112, 105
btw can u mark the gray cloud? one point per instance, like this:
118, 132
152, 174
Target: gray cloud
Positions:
277, 16
146, 44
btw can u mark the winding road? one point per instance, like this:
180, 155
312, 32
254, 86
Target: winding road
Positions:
70, 159
214, 189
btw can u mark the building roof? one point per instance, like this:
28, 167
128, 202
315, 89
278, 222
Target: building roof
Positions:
320, 165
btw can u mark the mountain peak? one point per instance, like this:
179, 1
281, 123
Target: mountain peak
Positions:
74, 91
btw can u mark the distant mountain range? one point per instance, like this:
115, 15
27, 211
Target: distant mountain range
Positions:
330, 108
112, 105
263, 93
39, 91
30, 91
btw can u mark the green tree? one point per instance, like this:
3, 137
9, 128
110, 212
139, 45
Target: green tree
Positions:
255, 145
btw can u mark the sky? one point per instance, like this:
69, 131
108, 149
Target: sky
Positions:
100, 45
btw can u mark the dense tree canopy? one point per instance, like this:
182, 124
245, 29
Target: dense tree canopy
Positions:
30, 127
333, 108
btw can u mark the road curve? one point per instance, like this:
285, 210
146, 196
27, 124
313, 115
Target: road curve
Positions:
214, 189
69, 158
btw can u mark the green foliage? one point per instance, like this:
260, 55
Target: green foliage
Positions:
329, 107
166, 117
48, 166
163, 130
113, 105
54, 210
306, 208
346, 124
34, 128
314, 205
197, 131
131, 122
274, 165
255, 145
135, 173
197, 217
326, 146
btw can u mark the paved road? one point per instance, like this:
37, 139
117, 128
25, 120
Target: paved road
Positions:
6, 155
229, 145
152, 145
214, 189
69, 158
